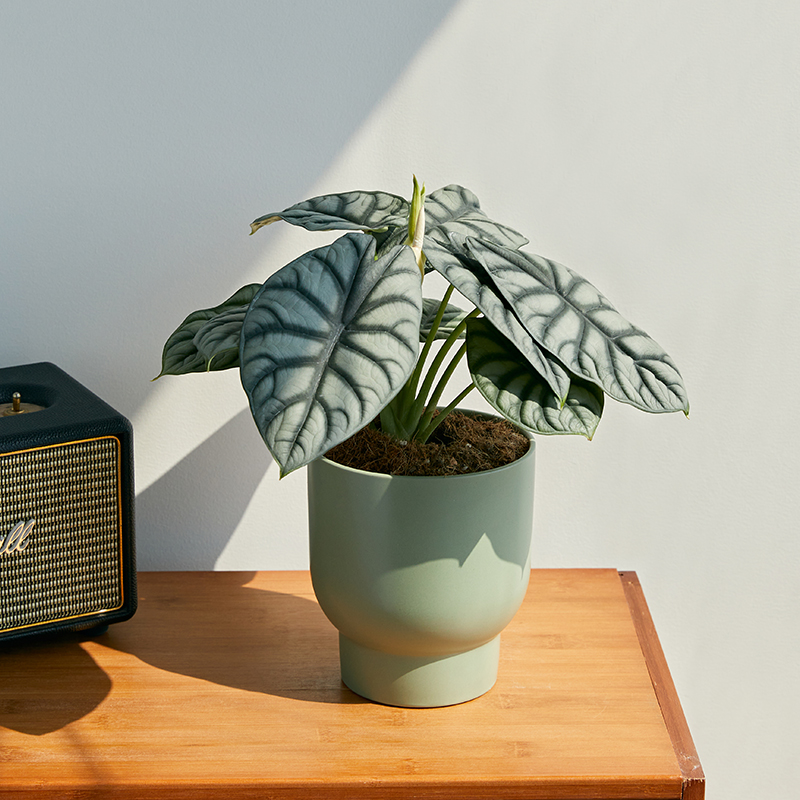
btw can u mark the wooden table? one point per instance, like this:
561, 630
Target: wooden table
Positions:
227, 685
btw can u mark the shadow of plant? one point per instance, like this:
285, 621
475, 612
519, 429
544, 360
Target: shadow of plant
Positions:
189, 514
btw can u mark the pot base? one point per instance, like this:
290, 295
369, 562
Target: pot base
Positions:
418, 681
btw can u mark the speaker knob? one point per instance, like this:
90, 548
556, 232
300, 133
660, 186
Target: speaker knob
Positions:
16, 406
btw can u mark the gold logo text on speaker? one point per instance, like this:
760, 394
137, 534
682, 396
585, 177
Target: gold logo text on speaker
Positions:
18, 539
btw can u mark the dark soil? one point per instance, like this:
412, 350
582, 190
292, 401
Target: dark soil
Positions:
460, 445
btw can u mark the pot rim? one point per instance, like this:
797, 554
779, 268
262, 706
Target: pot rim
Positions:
529, 453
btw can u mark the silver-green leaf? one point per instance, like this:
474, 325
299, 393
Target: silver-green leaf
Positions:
218, 339
472, 280
327, 343
570, 318
452, 317
350, 211
196, 346
509, 384
454, 210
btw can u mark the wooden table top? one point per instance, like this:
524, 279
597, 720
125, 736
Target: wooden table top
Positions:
226, 684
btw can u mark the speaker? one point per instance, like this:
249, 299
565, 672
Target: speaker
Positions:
66, 506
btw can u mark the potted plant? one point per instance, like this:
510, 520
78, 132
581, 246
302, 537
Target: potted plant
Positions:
419, 574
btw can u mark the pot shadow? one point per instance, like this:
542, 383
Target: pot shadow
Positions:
239, 636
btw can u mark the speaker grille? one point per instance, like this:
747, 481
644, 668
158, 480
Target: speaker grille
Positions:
71, 565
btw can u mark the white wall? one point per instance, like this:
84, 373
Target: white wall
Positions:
651, 146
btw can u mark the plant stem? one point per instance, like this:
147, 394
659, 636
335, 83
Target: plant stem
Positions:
430, 409
421, 401
389, 423
413, 381
434, 424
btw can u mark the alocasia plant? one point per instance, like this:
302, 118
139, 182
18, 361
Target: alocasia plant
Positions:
331, 342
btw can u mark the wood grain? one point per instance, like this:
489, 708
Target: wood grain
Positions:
227, 685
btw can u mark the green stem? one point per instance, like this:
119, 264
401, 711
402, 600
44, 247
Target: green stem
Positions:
389, 423
401, 413
425, 435
413, 381
421, 401
430, 410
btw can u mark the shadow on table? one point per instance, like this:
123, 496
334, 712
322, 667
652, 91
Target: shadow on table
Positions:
238, 636
46, 683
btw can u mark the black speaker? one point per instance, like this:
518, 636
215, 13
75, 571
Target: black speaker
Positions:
66, 506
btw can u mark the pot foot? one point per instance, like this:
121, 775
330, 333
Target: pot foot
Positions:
418, 681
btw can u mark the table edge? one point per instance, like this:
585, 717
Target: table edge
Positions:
664, 688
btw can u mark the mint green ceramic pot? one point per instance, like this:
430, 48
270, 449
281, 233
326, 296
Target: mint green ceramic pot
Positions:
420, 575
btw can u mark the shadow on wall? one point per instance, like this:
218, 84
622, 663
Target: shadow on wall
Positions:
148, 138
137, 144
205, 496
